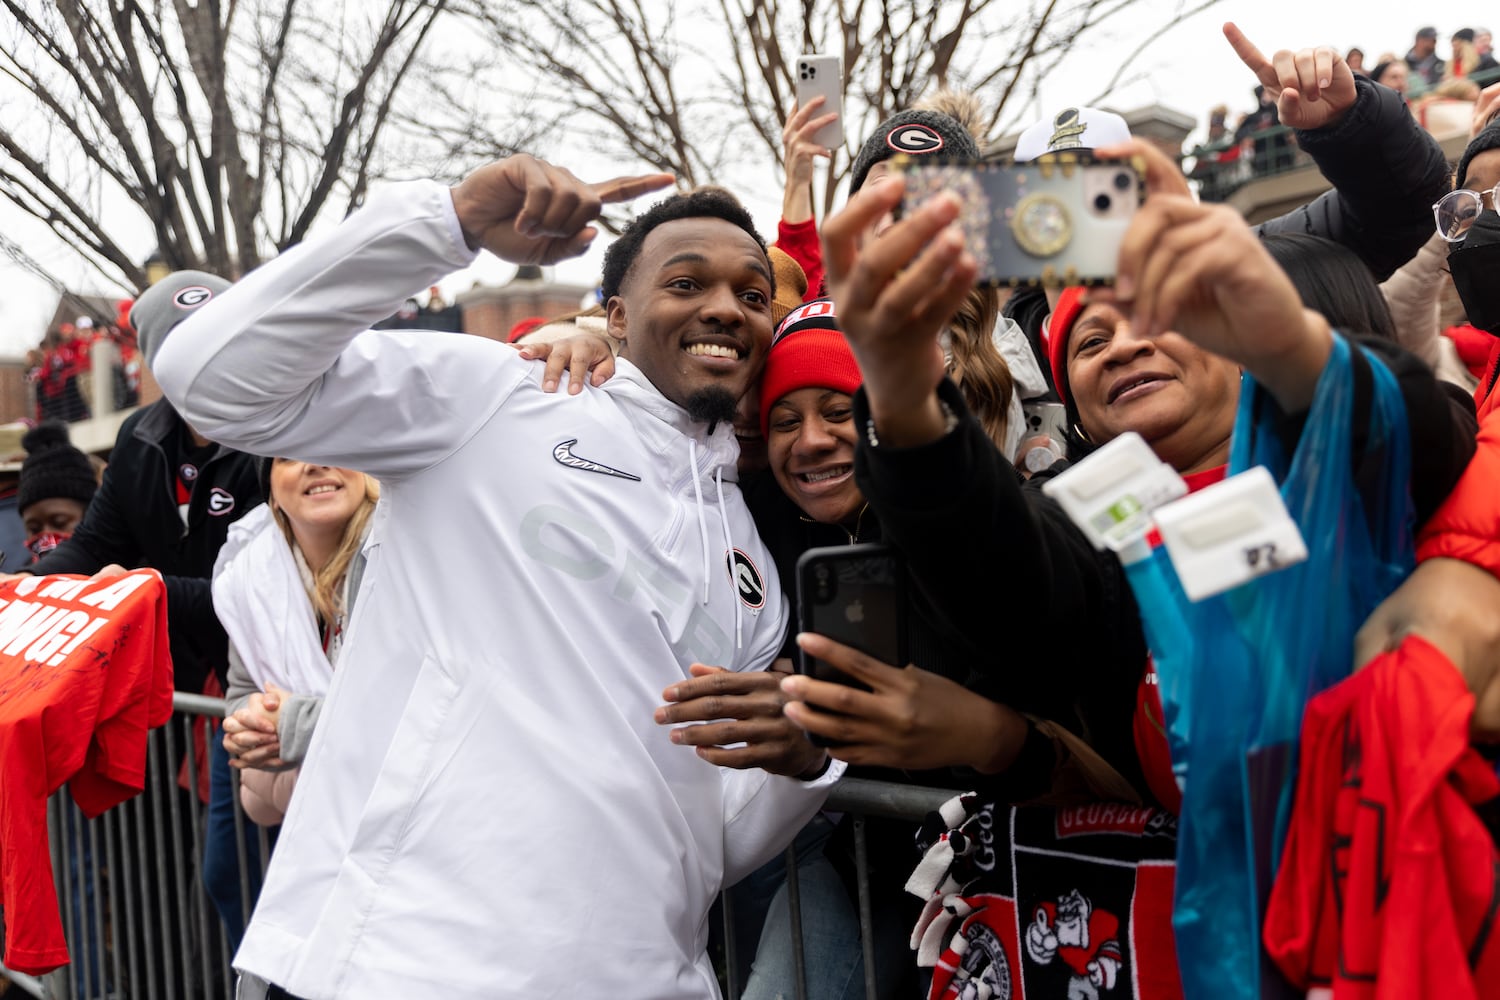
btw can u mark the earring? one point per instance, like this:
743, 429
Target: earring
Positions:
1081, 434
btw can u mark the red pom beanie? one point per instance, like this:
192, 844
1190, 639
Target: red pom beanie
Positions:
808, 350
1059, 329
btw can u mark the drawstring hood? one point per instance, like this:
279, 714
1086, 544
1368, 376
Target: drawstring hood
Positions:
702, 521
734, 579
739, 641
712, 444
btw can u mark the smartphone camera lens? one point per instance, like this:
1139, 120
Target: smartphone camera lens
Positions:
1102, 202
822, 592
1122, 181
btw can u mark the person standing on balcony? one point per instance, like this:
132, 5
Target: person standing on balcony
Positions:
1484, 46
1422, 60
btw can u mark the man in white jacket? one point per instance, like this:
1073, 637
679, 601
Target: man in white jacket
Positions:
488, 808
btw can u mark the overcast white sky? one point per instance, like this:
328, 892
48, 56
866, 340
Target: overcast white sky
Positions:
1190, 69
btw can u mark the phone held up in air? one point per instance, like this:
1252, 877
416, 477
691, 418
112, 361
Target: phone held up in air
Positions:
823, 76
855, 595
1055, 221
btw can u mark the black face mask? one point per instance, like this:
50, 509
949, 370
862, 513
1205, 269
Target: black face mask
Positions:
1475, 265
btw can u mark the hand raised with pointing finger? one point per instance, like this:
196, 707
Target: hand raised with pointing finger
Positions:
1312, 88
528, 211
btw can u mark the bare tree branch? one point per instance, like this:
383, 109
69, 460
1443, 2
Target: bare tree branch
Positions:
147, 102
1146, 43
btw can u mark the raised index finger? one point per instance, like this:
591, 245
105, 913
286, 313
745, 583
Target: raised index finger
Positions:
625, 188
1250, 55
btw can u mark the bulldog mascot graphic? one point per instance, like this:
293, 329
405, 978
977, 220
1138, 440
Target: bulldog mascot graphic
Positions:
1086, 940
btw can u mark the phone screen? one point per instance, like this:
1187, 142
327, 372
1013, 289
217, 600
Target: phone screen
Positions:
854, 595
1053, 221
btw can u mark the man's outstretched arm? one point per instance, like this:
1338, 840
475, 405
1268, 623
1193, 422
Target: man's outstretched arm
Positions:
278, 365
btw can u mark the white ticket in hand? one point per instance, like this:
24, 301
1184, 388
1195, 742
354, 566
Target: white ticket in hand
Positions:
1229, 533
1111, 494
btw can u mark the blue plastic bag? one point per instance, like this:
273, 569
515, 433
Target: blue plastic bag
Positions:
1236, 670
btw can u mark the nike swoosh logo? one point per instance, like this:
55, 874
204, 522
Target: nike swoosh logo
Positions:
564, 455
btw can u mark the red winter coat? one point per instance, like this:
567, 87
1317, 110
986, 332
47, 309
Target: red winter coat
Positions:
1467, 525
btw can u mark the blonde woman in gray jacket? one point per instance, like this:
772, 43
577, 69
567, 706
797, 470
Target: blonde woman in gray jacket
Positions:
283, 587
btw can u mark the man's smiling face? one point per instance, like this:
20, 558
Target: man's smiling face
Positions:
694, 311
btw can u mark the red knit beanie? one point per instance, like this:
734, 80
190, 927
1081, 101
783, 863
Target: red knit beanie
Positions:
1059, 329
808, 351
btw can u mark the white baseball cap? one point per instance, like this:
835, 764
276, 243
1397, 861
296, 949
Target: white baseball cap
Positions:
1072, 128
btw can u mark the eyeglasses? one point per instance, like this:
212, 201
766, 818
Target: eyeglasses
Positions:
1456, 211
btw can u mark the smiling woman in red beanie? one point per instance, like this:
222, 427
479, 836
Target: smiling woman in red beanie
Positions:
807, 409
812, 499
805, 416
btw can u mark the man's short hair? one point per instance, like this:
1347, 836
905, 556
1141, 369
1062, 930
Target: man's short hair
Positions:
701, 203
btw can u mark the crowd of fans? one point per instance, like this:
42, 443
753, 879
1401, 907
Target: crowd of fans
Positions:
509, 633
60, 368
1438, 91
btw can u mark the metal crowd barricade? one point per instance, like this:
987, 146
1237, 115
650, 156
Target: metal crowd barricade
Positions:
140, 925
137, 919
860, 798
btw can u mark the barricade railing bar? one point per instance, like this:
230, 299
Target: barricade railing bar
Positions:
139, 922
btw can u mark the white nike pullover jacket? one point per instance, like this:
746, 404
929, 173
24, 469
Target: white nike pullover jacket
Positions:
488, 809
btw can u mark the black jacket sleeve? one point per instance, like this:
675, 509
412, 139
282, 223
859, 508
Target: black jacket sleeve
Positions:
101, 538
1005, 568
199, 642
1386, 172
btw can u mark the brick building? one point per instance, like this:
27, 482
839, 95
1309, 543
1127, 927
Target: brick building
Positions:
491, 310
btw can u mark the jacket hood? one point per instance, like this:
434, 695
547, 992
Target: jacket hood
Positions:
666, 423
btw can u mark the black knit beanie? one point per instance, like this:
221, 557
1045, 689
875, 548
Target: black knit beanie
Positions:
53, 468
913, 133
1486, 140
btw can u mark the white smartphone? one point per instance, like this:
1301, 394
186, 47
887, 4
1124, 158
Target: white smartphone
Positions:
823, 76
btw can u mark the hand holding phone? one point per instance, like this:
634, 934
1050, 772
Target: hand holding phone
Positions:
855, 595
910, 718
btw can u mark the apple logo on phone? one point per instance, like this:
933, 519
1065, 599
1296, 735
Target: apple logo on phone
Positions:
855, 612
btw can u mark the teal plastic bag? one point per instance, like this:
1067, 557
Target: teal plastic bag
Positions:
1236, 670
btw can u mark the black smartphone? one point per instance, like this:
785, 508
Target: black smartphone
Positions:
856, 595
